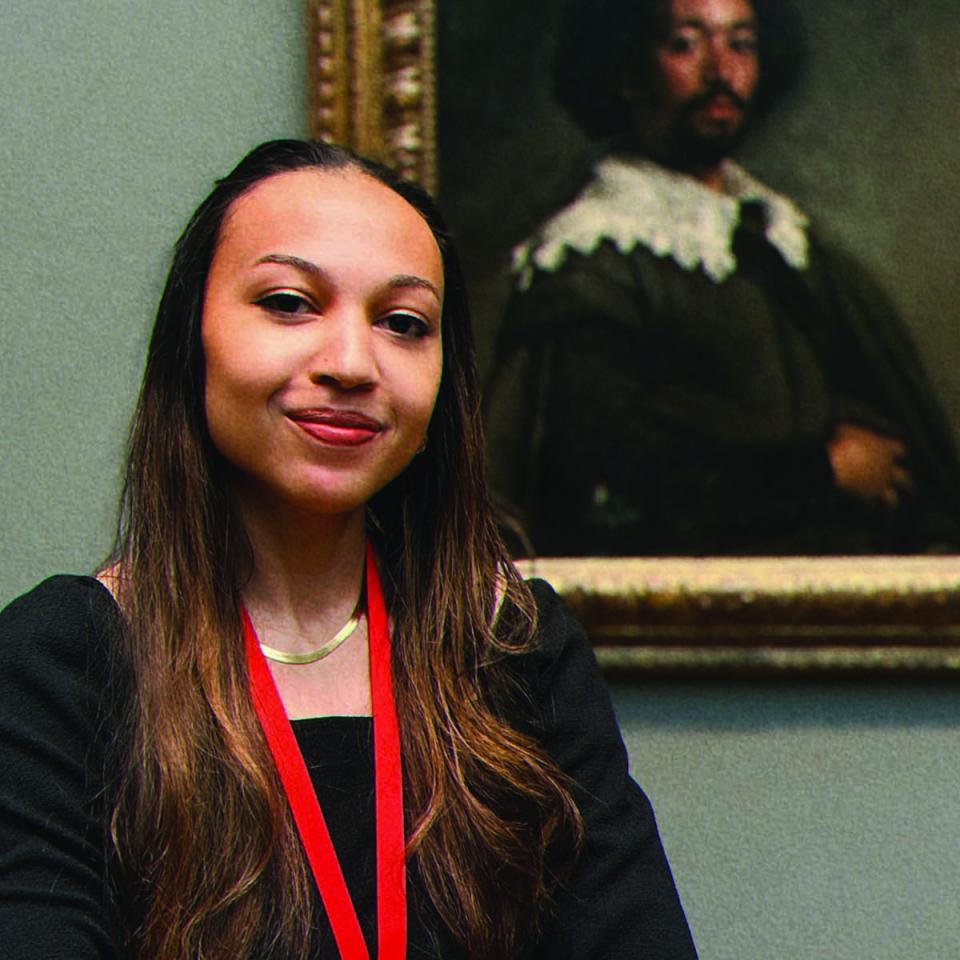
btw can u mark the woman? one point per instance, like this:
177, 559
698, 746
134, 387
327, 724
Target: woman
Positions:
163, 764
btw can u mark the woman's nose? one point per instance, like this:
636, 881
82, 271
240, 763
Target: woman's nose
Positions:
345, 353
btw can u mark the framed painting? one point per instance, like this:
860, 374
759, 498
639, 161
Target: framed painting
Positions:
379, 81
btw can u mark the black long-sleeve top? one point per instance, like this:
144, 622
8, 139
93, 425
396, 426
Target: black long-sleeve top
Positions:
57, 896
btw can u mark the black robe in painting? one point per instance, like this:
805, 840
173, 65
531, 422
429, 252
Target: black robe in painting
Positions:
640, 405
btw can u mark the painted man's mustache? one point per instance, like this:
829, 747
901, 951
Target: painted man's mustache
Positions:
716, 89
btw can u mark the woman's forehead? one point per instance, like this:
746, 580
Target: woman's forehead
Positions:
329, 211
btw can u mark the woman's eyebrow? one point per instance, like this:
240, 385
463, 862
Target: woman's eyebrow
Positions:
412, 280
317, 272
298, 263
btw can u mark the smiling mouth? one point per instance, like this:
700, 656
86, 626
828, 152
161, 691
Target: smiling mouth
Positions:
339, 428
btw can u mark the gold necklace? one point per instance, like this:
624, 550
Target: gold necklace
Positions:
281, 656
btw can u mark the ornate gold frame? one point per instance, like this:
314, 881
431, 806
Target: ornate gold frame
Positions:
762, 614
372, 86
372, 80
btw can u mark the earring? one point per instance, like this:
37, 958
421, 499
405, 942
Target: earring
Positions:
422, 447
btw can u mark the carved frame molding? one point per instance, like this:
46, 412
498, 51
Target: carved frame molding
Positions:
372, 82
372, 77
844, 615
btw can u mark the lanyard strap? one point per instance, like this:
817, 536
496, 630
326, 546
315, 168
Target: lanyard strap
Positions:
391, 867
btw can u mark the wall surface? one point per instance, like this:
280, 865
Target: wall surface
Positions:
807, 821
116, 118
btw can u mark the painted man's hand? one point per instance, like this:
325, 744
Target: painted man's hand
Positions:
868, 464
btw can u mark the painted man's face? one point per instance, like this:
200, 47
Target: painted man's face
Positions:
697, 104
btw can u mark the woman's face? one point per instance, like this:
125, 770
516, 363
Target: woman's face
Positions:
321, 332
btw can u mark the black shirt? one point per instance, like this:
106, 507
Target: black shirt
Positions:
55, 697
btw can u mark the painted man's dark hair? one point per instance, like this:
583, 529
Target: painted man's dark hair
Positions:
600, 42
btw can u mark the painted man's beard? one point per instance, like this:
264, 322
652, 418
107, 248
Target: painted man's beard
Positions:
697, 141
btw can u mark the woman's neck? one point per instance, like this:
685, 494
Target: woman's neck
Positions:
306, 581
307, 572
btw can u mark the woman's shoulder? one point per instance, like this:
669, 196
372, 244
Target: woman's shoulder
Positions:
556, 626
63, 674
560, 645
65, 618
64, 598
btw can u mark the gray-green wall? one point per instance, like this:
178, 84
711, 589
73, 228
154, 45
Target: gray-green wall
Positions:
812, 821
809, 821
116, 117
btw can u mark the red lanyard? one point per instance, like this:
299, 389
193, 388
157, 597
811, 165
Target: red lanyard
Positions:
391, 869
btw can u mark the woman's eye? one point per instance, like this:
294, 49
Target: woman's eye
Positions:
285, 302
406, 325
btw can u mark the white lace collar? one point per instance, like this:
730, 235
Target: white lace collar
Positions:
635, 201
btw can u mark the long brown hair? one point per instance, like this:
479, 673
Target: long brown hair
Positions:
201, 825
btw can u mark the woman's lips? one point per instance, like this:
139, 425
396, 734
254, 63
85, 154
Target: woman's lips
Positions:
341, 428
